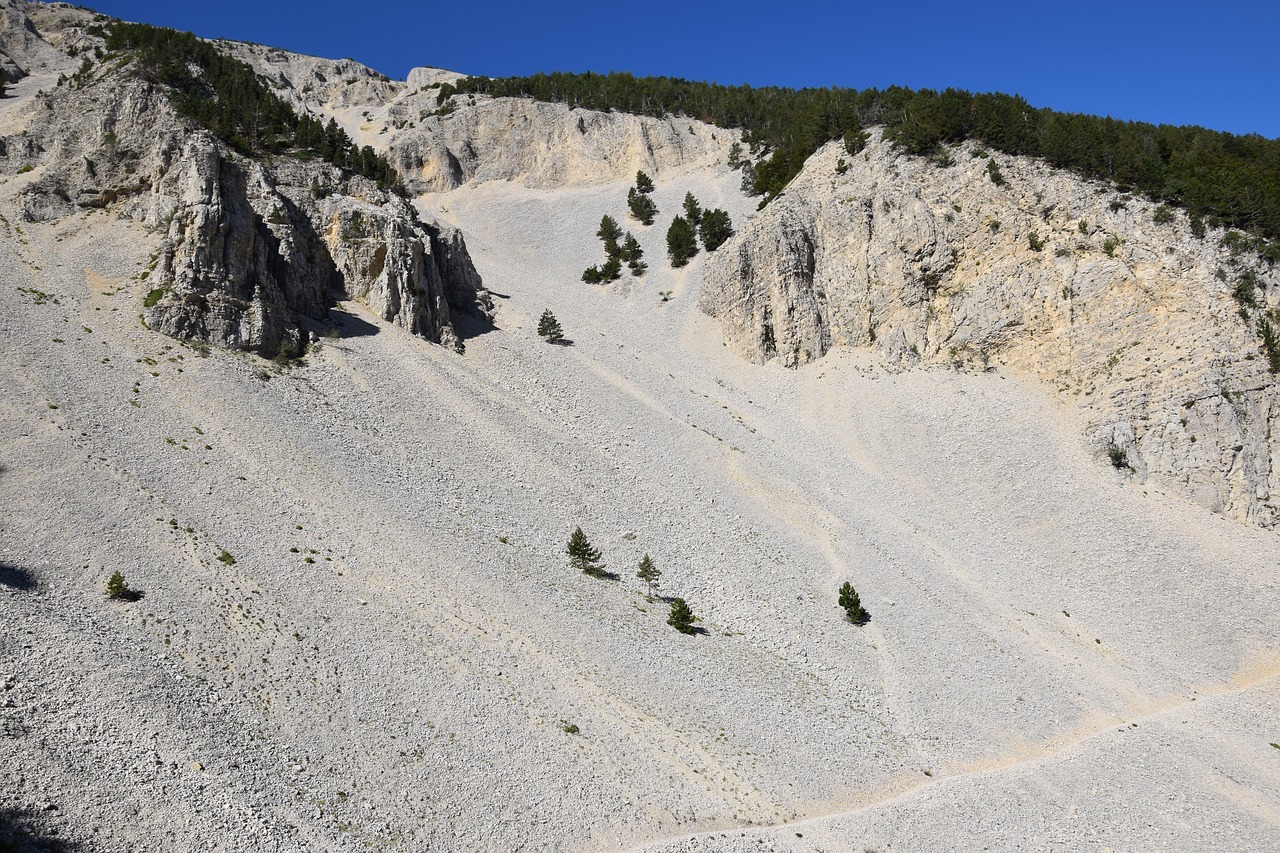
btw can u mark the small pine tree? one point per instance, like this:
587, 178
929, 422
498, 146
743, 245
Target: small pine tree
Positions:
591, 275
649, 573
611, 270
116, 587
735, 156
853, 609
714, 229
682, 242
642, 208
582, 556
630, 249
609, 230
692, 210
643, 183
681, 617
549, 327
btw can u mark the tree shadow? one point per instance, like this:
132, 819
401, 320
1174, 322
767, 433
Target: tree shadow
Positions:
351, 326
21, 832
604, 575
16, 577
562, 342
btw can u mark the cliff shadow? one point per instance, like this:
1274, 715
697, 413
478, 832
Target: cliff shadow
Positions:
469, 326
348, 325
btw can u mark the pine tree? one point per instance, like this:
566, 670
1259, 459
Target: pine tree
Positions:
853, 609
591, 275
611, 270
714, 229
644, 184
630, 249
642, 208
681, 617
609, 230
682, 242
692, 211
583, 557
116, 587
549, 327
649, 573
735, 156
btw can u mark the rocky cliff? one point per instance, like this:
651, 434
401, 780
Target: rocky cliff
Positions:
473, 139
538, 144
985, 260
252, 250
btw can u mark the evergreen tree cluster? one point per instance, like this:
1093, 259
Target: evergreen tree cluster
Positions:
618, 249
713, 226
225, 96
1230, 180
640, 201
587, 559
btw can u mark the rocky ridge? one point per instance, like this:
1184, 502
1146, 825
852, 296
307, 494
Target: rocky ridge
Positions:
252, 251
1130, 316
472, 139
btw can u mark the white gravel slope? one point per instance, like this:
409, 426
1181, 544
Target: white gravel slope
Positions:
408, 688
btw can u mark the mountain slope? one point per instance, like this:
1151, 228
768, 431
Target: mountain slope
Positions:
359, 627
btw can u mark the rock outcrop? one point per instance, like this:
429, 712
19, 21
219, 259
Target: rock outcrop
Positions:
251, 250
1117, 306
539, 144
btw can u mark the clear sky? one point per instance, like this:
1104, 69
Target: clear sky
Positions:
1215, 64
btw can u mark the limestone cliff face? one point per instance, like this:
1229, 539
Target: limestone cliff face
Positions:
251, 250
474, 139
1047, 273
539, 144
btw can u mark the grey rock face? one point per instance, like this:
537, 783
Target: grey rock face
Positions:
539, 144
251, 249
1129, 318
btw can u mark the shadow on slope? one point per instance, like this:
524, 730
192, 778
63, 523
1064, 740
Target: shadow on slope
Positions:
351, 326
468, 326
20, 833
16, 577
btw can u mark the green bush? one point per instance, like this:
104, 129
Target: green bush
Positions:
994, 173
1035, 241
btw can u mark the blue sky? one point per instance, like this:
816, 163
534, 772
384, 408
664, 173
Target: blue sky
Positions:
1211, 64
